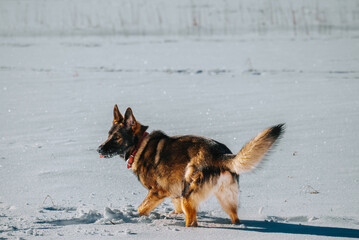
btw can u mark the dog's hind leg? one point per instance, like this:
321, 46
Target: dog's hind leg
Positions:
190, 208
152, 200
227, 195
195, 191
191, 201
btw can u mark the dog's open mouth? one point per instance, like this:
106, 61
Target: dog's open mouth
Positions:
107, 155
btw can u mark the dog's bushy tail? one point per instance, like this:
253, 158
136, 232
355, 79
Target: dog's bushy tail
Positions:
254, 151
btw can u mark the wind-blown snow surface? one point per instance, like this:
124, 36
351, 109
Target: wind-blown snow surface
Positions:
57, 96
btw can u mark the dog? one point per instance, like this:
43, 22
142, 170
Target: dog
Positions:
188, 169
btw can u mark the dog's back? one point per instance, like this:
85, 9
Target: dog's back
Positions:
164, 161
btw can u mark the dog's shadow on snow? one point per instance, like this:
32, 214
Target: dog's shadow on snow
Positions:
280, 227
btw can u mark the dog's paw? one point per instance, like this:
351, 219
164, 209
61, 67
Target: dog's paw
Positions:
236, 221
143, 211
176, 212
192, 224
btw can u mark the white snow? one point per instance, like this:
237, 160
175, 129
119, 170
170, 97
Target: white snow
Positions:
56, 100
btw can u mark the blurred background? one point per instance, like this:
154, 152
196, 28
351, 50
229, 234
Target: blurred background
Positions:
184, 18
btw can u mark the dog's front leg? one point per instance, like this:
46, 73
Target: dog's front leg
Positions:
152, 200
178, 205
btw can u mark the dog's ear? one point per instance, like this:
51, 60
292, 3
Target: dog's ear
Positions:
117, 117
130, 120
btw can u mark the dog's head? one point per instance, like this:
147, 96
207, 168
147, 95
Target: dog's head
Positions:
123, 136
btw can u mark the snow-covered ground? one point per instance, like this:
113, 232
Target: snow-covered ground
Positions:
57, 96
201, 70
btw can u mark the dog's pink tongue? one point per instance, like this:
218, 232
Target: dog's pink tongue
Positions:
102, 156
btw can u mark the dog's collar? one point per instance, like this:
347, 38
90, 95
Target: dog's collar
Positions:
132, 156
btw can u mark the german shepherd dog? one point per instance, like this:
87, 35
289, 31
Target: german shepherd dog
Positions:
188, 169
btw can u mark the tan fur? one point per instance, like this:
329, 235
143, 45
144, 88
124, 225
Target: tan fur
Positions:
252, 153
159, 149
177, 203
227, 195
152, 200
190, 209
139, 152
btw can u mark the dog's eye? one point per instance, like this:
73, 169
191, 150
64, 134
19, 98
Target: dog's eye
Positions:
118, 139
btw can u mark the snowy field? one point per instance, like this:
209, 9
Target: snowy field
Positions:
184, 67
57, 96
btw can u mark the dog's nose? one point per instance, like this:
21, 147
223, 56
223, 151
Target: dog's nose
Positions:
99, 149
